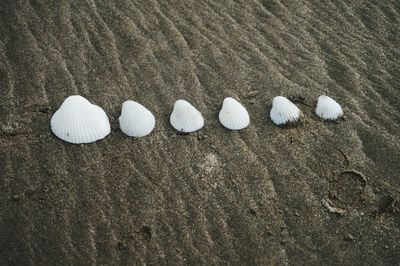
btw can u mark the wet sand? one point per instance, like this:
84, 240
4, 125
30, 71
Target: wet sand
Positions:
317, 193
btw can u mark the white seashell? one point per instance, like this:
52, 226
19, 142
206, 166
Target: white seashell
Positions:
328, 108
284, 111
136, 120
185, 117
78, 121
233, 115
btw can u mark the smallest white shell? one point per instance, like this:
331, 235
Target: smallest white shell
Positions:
136, 120
233, 115
284, 111
185, 117
328, 108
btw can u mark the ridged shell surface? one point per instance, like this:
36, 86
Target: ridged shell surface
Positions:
78, 121
185, 117
136, 120
328, 109
233, 115
284, 111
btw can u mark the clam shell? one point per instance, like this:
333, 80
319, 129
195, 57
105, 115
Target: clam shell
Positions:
136, 120
233, 115
78, 121
284, 111
185, 117
328, 109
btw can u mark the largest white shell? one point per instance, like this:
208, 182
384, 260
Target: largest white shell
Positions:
284, 111
328, 108
185, 117
136, 120
78, 121
233, 115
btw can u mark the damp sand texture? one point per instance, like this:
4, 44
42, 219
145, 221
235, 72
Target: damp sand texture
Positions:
317, 193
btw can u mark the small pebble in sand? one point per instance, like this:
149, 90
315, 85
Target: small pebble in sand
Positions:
185, 117
328, 108
348, 237
16, 197
136, 120
284, 111
78, 121
233, 115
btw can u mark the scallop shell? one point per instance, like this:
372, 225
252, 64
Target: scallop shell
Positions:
185, 117
233, 115
78, 121
136, 120
328, 108
284, 111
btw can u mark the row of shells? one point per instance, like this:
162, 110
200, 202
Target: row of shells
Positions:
79, 121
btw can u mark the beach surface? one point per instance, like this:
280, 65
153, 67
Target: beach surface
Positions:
316, 193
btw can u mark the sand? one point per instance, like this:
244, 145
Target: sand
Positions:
316, 193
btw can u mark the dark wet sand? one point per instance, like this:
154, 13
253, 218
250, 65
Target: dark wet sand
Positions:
316, 194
